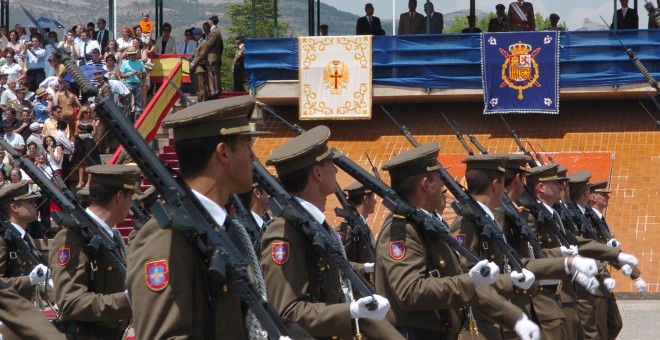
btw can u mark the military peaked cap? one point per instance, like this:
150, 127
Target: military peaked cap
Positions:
116, 175
544, 173
599, 186
491, 161
304, 150
419, 160
21, 190
356, 189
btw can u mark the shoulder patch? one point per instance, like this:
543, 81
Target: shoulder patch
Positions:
63, 256
280, 252
157, 274
460, 238
397, 250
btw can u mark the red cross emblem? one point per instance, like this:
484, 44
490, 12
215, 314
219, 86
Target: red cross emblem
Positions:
157, 274
280, 252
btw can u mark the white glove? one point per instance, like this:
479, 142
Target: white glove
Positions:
640, 284
626, 270
526, 329
588, 282
478, 279
526, 283
130, 303
610, 284
584, 265
628, 259
570, 251
614, 243
359, 308
368, 267
39, 274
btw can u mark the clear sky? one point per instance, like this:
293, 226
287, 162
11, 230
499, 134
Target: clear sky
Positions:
573, 12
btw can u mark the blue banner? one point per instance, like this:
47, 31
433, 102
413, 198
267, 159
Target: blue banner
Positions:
520, 72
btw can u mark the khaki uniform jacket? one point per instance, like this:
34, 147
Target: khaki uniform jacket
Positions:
356, 252
429, 302
14, 272
307, 290
181, 309
86, 295
22, 319
216, 46
199, 63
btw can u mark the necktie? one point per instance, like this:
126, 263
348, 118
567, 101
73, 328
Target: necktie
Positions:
624, 12
410, 15
116, 236
185, 48
30, 241
99, 38
85, 51
557, 220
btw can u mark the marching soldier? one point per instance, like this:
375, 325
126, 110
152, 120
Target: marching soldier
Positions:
303, 287
18, 204
359, 250
93, 300
167, 275
199, 65
421, 275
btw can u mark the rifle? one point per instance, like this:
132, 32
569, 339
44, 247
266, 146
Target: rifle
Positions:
13, 237
542, 214
538, 155
374, 169
473, 140
657, 121
602, 225
459, 134
580, 219
468, 206
324, 244
520, 144
360, 230
654, 14
184, 213
100, 245
546, 154
250, 223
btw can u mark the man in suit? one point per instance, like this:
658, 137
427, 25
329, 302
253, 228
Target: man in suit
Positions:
520, 16
102, 35
435, 19
369, 24
214, 57
411, 22
498, 24
626, 18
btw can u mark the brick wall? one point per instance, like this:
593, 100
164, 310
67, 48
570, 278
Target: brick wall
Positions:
618, 128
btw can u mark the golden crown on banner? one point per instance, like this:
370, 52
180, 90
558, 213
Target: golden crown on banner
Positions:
520, 48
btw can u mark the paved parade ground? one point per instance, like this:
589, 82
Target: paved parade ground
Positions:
641, 319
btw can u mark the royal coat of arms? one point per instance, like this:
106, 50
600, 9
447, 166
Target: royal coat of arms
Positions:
523, 71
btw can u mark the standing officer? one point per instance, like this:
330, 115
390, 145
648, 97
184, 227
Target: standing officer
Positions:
421, 275
520, 16
199, 65
167, 275
303, 287
359, 250
93, 300
18, 205
214, 57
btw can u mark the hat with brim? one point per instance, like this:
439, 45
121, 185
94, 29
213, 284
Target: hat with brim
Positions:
36, 126
599, 187
19, 191
356, 189
302, 151
578, 182
420, 160
544, 173
517, 162
221, 117
40, 92
131, 50
489, 162
116, 175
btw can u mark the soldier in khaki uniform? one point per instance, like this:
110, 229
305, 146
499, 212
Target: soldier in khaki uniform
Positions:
93, 300
359, 251
216, 45
18, 205
547, 185
486, 180
303, 287
19, 316
167, 275
421, 275
199, 66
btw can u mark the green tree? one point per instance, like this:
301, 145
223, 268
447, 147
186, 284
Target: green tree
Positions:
457, 26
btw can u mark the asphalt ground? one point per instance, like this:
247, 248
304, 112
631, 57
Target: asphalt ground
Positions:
641, 319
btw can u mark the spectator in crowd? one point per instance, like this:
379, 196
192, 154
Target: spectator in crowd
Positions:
102, 35
49, 46
520, 16
13, 42
97, 59
189, 44
146, 51
16, 175
626, 18
110, 49
4, 181
14, 139
323, 30
554, 20
12, 68
125, 41
137, 32
22, 35
35, 57
36, 130
133, 72
69, 45
77, 31
67, 146
369, 24
23, 128
3, 81
53, 154
146, 25
43, 106
411, 22
8, 94
86, 46
50, 124
435, 19
68, 102
85, 152
60, 70
238, 69
111, 67
3, 37
10, 121
166, 44
19, 102
498, 24
199, 64
471, 25
31, 152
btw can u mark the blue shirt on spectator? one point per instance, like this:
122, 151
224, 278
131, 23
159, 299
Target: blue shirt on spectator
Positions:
128, 66
39, 114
